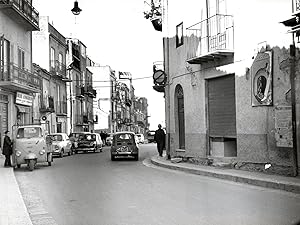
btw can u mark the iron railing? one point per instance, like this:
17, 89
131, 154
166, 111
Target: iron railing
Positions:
24, 8
22, 76
57, 68
209, 35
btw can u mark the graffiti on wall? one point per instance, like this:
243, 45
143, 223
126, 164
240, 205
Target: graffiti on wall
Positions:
283, 126
261, 80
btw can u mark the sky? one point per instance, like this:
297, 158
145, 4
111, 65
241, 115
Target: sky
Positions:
115, 33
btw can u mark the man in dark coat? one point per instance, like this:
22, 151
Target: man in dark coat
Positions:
159, 137
7, 149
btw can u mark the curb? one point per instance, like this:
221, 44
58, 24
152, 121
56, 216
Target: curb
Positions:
231, 175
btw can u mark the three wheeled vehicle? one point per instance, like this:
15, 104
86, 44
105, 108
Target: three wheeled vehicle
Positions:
31, 147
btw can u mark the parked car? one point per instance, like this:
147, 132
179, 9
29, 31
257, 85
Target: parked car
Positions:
109, 139
86, 141
141, 138
124, 144
61, 144
150, 136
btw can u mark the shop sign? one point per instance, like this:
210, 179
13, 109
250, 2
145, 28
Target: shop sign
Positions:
24, 99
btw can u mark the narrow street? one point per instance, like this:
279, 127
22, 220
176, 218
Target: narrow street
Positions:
90, 189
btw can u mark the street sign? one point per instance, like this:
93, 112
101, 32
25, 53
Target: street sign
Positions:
159, 77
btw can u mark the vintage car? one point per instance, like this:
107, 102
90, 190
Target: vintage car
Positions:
86, 141
124, 144
61, 144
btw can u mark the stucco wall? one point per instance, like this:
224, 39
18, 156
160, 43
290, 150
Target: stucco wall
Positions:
18, 37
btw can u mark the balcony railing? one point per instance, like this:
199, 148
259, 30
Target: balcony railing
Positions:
24, 10
17, 78
61, 107
90, 91
210, 39
58, 69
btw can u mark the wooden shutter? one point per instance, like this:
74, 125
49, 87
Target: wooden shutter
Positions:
221, 106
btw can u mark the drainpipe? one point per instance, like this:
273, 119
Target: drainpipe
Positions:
294, 125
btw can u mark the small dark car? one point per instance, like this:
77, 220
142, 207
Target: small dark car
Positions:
124, 144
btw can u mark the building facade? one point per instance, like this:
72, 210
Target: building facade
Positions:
18, 83
227, 97
49, 58
80, 93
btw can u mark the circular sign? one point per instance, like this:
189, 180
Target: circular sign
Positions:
159, 77
44, 118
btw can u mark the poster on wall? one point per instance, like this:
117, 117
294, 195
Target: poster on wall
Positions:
283, 126
261, 80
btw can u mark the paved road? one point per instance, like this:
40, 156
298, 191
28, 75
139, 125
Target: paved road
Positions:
89, 189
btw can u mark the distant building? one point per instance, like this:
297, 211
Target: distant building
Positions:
80, 93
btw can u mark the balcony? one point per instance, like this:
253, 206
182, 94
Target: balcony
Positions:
47, 107
128, 102
58, 70
80, 92
18, 79
61, 108
90, 91
22, 12
211, 40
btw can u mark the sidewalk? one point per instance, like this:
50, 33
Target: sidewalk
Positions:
12, 207
290, 184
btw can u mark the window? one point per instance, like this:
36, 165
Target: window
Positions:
21, 58
52, 57
60, 60
4, 58
179, 35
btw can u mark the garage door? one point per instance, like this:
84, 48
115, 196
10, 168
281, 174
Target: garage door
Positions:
221, 106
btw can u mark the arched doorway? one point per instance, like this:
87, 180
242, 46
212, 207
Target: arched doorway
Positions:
180, 116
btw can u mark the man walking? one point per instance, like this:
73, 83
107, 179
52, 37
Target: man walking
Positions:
159, 137
7, 149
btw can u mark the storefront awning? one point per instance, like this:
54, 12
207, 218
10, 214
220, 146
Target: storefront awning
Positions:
22, 109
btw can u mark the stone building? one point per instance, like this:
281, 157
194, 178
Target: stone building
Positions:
49, 58
227, 92
18, 83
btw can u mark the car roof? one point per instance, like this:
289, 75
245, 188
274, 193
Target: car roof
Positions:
57, 134
124, 132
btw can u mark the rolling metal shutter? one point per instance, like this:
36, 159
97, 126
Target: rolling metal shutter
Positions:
221, 106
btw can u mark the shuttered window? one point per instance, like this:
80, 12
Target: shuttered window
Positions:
221, 106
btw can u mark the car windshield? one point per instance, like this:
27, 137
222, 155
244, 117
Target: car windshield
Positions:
123, 137
87, 137
56, 137
29, 132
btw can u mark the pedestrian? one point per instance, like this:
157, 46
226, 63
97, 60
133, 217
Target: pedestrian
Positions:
7, 149
159, 137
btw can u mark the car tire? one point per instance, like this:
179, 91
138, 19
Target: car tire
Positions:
61, 153
49, 163
19, 165
136, 157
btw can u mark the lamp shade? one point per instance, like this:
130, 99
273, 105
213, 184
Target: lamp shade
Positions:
76, 10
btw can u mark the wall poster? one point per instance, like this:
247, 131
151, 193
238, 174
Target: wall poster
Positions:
261, 80
283, 126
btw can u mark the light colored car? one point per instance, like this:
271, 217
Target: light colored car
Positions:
109, 139
61, 144
140, 138
124, 144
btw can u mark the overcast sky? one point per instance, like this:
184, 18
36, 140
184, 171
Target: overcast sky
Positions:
116, 34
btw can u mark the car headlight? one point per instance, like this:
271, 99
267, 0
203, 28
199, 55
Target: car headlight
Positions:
42, 152
18, 153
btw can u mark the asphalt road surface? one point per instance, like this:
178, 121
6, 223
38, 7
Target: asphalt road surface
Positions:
90, 189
